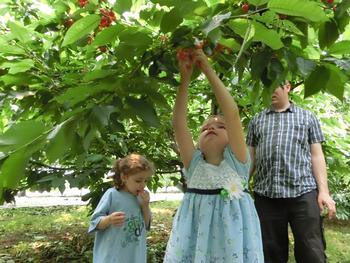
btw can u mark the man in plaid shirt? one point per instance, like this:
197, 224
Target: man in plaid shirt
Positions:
290, 183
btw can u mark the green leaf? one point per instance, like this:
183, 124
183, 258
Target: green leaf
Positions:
259, 63
168, 3
60, 140
19, 66
290, 26
266, 95
257, 2
316, 81
124, 51
59, 182
215, 22
81, 28
80, 93
305, 66
328, 34
191, 9
268, 36
106, 36
230, 43
20, 134
170, 21
144, 110
341, 9
5, 48
240, 27
122, 6
100, 115
275, 70
310, 10
98, 74
135, 37
340, 48
12, 170
336, 82
19, 32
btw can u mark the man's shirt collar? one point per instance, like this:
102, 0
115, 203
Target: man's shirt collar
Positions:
291, 108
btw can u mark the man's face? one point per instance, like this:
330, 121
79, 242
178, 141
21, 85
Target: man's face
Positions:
280, 95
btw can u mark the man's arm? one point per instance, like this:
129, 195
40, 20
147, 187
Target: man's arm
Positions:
253, 161
320, 173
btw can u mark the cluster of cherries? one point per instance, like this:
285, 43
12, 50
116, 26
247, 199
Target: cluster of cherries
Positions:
107, 17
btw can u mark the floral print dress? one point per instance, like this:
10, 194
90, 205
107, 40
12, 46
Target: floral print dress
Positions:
216, 228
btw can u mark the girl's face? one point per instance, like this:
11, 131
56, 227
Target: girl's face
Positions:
136, 183
213, 134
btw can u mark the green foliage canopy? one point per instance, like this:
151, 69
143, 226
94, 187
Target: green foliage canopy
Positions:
82, 84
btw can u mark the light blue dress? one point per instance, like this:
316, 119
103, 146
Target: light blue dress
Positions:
214, 228
119, 244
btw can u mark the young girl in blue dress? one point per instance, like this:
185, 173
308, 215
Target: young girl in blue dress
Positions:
122, 216
216, 221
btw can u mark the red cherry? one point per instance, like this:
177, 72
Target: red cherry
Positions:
105, 21
219, 47
245, 8
330, 1
282, 17
111, 15
83, 3
68, 23
103, 49
108, 13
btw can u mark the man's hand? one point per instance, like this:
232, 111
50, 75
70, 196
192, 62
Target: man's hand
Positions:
325, 201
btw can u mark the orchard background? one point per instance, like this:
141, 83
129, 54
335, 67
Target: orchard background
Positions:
83, 82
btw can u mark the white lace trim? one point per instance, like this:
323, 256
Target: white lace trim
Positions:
208, 176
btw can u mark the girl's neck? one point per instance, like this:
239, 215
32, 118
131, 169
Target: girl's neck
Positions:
125, 190
214, 159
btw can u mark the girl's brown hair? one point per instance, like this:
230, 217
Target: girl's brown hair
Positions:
129, 165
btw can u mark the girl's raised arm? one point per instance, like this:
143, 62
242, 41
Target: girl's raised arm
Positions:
183, 135
227, 105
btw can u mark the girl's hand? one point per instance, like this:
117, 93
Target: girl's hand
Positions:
144, 198
185, 63
116, 218
200, 59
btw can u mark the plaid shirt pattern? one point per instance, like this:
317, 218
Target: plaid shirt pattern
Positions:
282, 151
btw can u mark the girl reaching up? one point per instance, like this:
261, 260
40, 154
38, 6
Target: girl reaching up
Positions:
216, 221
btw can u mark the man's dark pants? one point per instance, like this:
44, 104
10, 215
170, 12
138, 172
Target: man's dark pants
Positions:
303, 215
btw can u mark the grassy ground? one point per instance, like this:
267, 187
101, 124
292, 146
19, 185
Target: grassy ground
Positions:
58, 234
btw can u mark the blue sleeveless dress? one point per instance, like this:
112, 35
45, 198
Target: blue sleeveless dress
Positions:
216, 228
